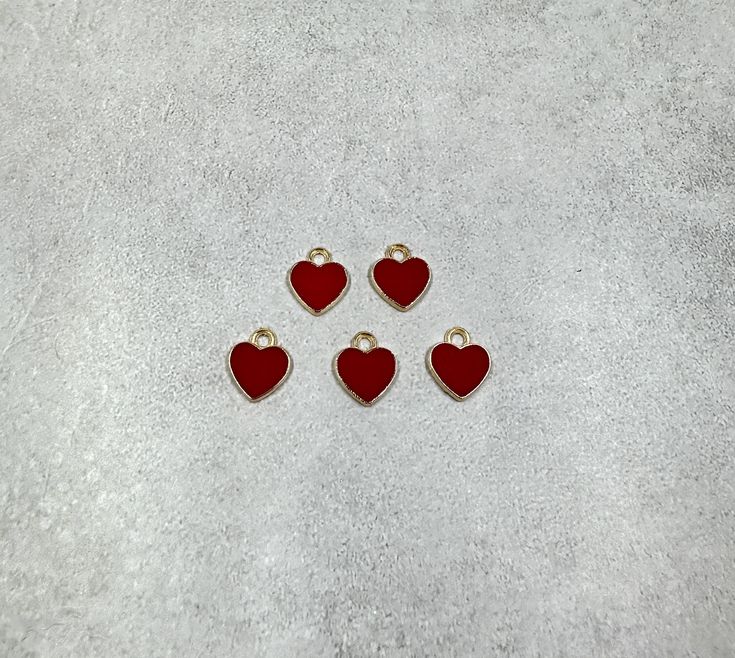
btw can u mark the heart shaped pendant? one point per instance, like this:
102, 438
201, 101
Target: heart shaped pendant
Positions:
401, 283
318, 285
365, 374
259, 369
458, 369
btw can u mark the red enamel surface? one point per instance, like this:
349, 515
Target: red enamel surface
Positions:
318, 285
366, 374
461, 369
258, 370
402, 281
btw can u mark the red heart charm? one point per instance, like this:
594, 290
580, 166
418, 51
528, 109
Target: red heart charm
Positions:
259, 370
318, 286
400, 282
458, 369
365, 375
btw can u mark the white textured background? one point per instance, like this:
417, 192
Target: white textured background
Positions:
568, 170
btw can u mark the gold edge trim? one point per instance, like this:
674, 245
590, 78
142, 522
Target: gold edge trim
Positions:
398, 307
303, 303
438, 379
275, 387
354, 395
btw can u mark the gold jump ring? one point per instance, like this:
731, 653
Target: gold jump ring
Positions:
364, 335
457, 331
263, 333
394, 249
320, 251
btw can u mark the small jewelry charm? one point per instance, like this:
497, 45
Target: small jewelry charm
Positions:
365, 374
259, 369
401, 283
458, 369
318, 286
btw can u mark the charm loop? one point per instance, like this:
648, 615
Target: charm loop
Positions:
457, 331
364, 335
394, 249
263, 332
320, 251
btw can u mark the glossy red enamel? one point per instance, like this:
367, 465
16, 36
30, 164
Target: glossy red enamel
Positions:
461, 369
318, 286
366, 374
403, 282
258, 370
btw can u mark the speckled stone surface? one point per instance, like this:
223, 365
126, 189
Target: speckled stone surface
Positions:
568, 171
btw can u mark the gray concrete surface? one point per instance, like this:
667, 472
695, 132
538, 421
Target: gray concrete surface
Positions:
568, 170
